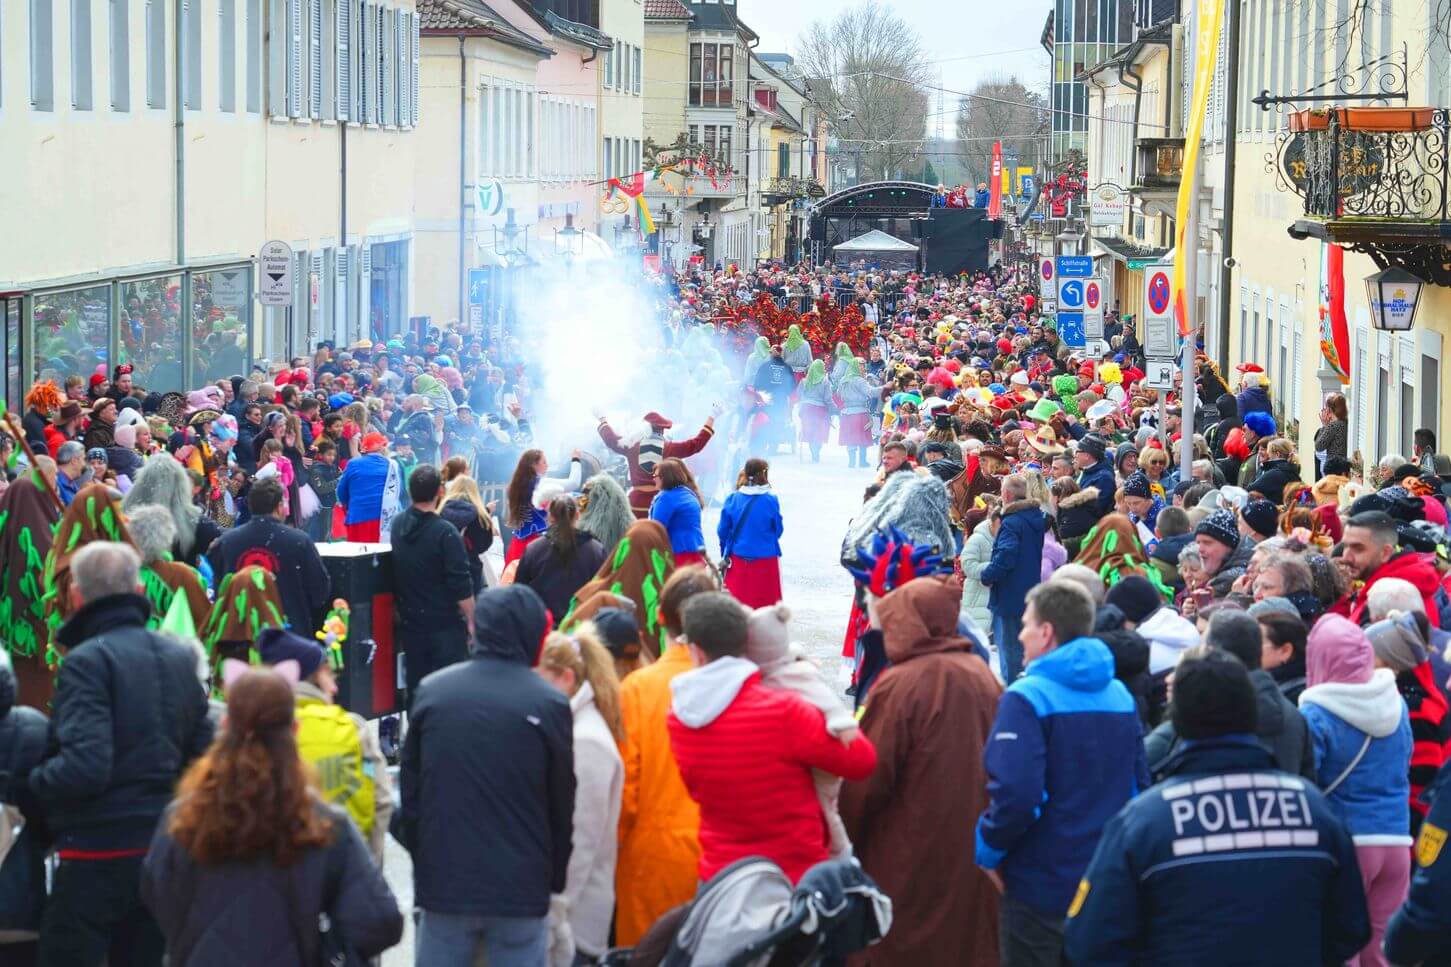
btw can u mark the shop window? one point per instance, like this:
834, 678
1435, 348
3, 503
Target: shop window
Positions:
14, 380
388, 289
72, 331
221, 320
151, 320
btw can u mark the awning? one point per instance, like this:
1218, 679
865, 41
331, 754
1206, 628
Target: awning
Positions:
875, 241
1124, 250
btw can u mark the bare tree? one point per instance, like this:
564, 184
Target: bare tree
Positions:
870, 69
1003, 109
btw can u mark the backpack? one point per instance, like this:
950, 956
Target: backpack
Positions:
328, 740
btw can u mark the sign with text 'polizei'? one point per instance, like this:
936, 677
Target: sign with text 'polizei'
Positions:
274, 274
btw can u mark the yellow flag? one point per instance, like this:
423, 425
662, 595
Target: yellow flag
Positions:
1206, 37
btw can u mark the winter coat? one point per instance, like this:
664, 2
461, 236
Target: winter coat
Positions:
1168, 885
430, 571
1279, 727
746, 752
976, 553
245, 450
1420, 932
1275, 476
289, 554
258, 913
599, 777
1290, 677
1410, 566
1077, 515
1046, 812
459, 791
1101, 477
1233, 568
128, 717
1254, 399
1165, 558
1054, 554
1228, 409
750, 525
659, 856
554, 579
1373, 800
1429, 726
1017, 559
929, 715
477, 535
1168, 634
678, 510
360, 488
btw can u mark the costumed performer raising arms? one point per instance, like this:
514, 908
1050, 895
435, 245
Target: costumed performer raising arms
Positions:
645, 451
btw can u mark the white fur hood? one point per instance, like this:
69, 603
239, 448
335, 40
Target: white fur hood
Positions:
1374, 707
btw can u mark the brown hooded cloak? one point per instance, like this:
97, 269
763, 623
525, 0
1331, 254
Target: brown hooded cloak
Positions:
913, 821
638, 569
28, 514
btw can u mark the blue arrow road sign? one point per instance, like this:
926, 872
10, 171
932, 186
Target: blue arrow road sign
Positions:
1070, 329
1075, 266
1070, 294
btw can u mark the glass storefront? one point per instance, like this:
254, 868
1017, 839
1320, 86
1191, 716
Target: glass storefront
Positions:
151, 331
14, 382
221, 319
388, 293
72, 332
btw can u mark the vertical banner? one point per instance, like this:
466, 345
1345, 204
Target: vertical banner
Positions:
1334, 330
995, 183
1206, 48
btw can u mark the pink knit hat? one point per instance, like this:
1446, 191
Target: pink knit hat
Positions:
1338, 651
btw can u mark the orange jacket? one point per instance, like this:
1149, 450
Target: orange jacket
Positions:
659, 854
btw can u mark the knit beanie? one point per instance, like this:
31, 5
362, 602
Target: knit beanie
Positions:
1220, 525
1261, 517
1094, 445
1397, 642
767, 639
1137, 485
276, 645
1136, 597
1213, 697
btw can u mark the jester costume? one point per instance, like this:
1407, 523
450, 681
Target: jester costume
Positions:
162, 581
247, 602
92, 516
638, 570
28, 515
647, 453
1112, 551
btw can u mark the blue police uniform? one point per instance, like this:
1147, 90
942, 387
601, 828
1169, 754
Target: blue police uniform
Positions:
1420, 932
1228, 861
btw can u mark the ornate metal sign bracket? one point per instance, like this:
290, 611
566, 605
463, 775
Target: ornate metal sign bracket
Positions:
1381, 79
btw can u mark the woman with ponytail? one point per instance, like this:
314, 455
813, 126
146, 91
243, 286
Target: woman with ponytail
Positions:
581, 667
563, 561
529, 493
249, 856
750, 538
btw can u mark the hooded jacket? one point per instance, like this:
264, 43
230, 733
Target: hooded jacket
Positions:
929, 715
1254, 399
977, 551
1349, 706
1169, 885
1016, 565
1275, 476
303, 582
1077, 513
430, 570
599, 783
1420, 932
1101, 477
1279, 727
746, 753
1409, 566
1046, 810
490, 747
22, 744
1168, 634
1232, 569
1228, 409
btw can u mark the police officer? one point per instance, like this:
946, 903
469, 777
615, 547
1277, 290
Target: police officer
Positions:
1420, 932
1228, 860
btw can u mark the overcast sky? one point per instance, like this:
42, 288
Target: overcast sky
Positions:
968, 41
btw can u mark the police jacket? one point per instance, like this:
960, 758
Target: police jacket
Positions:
1185, 874
1420, 932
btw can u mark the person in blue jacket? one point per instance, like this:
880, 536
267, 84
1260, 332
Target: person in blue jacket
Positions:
1185, 873
677, 507
749, 531
1015, 566
1096, 470
1065, 753
1420, 931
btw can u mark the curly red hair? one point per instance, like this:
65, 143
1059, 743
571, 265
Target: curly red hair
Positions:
45, 397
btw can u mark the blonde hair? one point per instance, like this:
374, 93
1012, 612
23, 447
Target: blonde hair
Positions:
1154, 455
582, 654
1280, 449
467, 489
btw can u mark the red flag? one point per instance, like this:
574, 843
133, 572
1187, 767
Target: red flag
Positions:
995, 183
1334, 330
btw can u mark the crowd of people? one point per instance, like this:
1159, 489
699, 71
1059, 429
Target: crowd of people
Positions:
1089, 688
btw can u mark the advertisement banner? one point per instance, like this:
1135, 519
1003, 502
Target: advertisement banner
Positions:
995, 183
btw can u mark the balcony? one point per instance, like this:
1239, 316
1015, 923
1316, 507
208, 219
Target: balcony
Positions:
1373, 180
1160, 164
781, 191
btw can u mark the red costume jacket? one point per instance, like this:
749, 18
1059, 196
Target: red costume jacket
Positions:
642, 470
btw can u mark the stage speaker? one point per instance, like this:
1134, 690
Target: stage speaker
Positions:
362, 575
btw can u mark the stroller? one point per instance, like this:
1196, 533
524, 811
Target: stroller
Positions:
749, 915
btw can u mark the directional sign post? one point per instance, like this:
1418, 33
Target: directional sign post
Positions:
1074, 266
275, 266
1093, 308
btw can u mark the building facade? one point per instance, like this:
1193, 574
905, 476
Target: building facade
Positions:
622, 96
164, 135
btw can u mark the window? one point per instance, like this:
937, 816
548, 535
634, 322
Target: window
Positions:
81, 320
711, 74
343, 81
783, 160
610, 67
81, 55
254, 56
191, 14
609, 156
120, 55
1430, 383
42, 56
227, 61
294, 58
638, 59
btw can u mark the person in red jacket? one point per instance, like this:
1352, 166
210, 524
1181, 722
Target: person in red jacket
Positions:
65, 425
1369, 554
746, 751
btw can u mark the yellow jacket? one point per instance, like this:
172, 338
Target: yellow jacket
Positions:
659, 857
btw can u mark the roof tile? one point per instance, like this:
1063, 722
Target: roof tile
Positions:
666, 10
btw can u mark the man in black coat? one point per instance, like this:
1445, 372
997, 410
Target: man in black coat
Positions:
129, 716
487, 782
287, 553
432, 584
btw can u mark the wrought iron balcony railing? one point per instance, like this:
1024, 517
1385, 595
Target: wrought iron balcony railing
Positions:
1160, 163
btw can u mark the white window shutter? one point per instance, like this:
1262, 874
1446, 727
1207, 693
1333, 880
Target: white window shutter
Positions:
367, 77
413, 28
1361, 383
1297, 362
365, 290
340, 291
294, 58
316, 325
401, 70
380, 64
276, 57
342, 26
314, 57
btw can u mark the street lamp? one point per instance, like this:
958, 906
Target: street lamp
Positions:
1394, 296
568, 240
510, 234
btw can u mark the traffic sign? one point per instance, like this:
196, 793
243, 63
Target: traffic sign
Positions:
478, 286
1045, 269
1160, 374
1093, 308
274, 283
1158, 293
1070, 293
1070, 329
1159, 331
1075, 266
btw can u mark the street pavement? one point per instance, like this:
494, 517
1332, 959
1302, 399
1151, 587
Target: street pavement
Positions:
817, 501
